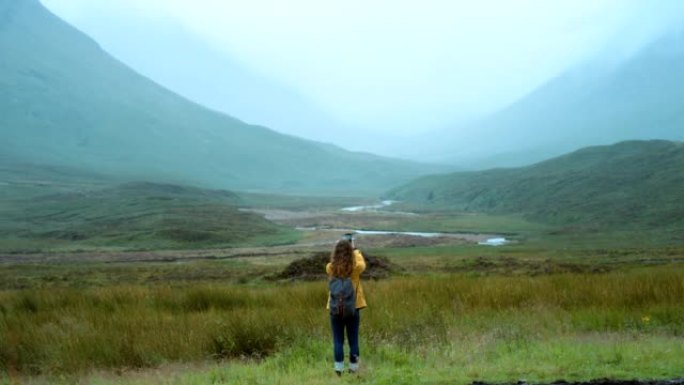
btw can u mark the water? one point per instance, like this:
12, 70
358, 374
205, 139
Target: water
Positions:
375, 207
496, 241
493, 242
383, 232
481, 239
413, 233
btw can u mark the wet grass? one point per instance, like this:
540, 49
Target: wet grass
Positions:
555, 304
470, 327
459, 361
131, 216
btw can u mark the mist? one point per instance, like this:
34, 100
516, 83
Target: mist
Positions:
371, 77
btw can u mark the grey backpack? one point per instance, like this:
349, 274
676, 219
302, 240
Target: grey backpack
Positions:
342, 297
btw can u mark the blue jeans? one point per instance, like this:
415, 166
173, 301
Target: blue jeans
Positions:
351, 325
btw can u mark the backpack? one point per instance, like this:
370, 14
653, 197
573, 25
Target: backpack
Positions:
342, 297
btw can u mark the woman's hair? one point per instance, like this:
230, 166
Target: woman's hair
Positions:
342, 259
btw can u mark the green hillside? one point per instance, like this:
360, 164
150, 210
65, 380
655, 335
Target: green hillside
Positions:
64, 101
52, 208
629, 185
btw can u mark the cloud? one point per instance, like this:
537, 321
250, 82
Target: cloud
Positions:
407, 66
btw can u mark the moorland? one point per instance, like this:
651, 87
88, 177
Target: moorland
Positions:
133, 299
146, 239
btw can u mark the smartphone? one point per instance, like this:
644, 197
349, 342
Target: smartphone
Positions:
350, 238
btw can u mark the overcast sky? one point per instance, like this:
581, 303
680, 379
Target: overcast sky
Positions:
404, 66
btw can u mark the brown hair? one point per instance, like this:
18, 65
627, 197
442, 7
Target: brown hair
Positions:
342, 259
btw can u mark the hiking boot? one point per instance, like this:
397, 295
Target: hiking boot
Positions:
339, 368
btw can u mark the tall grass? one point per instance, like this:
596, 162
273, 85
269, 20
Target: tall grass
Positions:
65, 331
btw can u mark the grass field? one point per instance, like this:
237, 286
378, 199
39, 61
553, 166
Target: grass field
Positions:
554, 304
98, 323
125, 260
129, 216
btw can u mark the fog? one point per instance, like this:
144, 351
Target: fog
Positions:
364, 75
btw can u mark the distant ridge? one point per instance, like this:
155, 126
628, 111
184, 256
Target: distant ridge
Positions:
64, 101
632, 184
599, 103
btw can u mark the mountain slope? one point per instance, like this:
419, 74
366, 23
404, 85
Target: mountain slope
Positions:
627, 185
64, 101
174, 57
601, 102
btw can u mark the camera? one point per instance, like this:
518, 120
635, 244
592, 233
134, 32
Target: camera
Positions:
349, 237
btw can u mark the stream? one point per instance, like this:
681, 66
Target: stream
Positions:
481, 239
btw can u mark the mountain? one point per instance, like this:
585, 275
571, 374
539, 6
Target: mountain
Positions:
170, 55
632, 184
66, 102
601, 102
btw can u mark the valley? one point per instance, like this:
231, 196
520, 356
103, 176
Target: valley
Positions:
100, 283
147, 239
86, 259
571, 311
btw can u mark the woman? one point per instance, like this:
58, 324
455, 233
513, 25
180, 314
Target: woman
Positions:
347, 262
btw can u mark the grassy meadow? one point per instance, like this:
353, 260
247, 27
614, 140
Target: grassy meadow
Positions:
419, 328
104, 287
128, 216
124, 260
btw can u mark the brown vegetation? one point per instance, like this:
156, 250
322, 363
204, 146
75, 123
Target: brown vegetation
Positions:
313, 268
